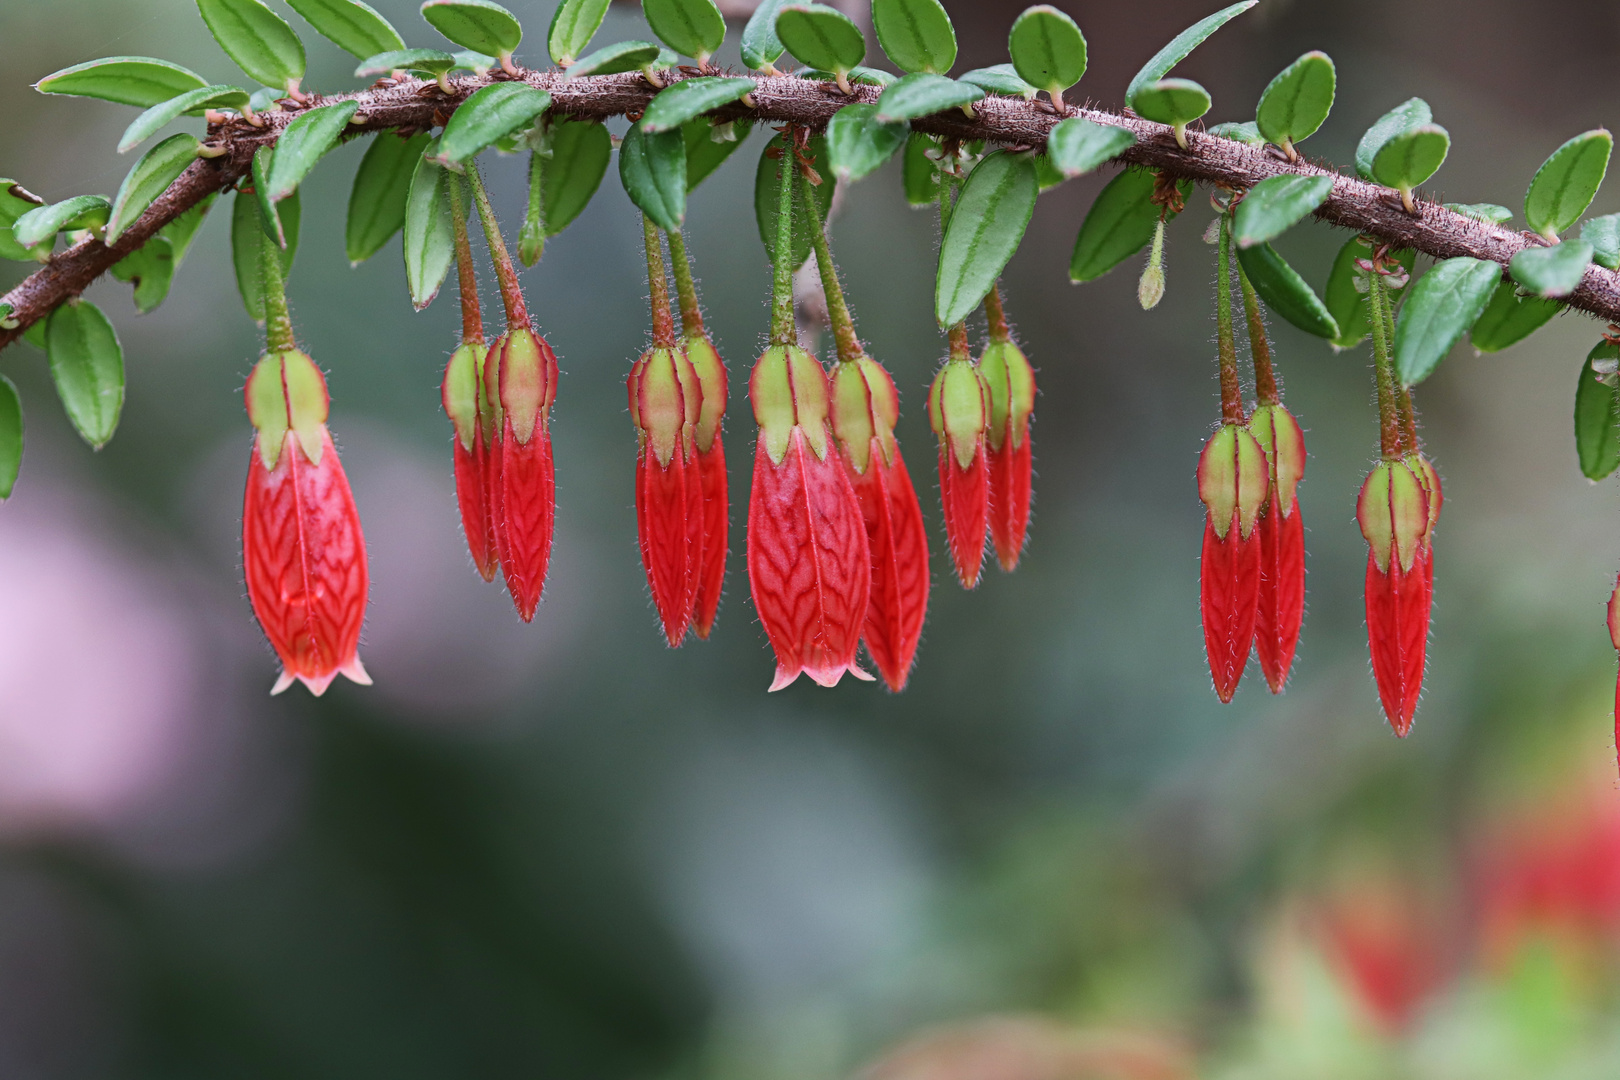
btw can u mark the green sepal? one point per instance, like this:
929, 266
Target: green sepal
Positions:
788, 388
463, 383
959, 409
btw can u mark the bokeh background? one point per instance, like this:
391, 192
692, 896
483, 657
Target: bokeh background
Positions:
563, 850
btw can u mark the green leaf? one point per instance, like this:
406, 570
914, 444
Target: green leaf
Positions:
999, 79
39, 225
1510, 318
492, 113
1177, 102
1603, 233
306, 140
1489, 213
150, 178
866, 75
476, 24
580, 150
692, 28
857, 142
923, 94
11, 436
915, 34
652, 168
920, 173
1183, 44
1597, 413
1567, 182
761, 48
183, 229
1551, 271
270, 218
1248, 134
1275, 205
1408, 159
1048, 50
612, 59
475, 61
129, 80
1077, 145
822, 37
1297, 101
424, 61
209, 97
572, 27
1411, 113
1285, 292
257, 39
1348, 304
989, 220
767, 179
377, 200
351, 25
87, 365
247, 241
690, 98
1119, 224
1442, 305
150, 268
430, 238
15, 201
709, 145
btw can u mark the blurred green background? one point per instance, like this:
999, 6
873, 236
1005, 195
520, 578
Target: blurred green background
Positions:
563, 850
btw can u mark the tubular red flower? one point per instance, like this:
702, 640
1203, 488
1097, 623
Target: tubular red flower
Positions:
1010, 383
1232, 482
1281, 606
520, 376
303, 553
958, 411
664, 405
710, 371
1397, 517
463, 403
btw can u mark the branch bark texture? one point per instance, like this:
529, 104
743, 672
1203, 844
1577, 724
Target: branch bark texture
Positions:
415, 104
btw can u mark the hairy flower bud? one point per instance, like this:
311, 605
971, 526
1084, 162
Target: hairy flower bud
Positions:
711, 466
1010, 382
959, 412
664, 405
463, 394
1282, 545
302, 550
1397, 516
520, 382
1232, 482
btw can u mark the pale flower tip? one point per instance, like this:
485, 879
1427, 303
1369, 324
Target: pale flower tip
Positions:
284, 680
785, 677
861, 673
318, 683
356, 671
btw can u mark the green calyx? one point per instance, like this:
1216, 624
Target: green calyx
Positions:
1279, 435
1233, 479
1393, 512
959, 409
710, 373
523, 381
666, 401
789, 389
463, 390
286, 392
1010, 382
864, 405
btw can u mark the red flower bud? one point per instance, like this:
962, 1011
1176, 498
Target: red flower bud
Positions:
1397, 517
959, 412
664, 405
1010, 382
865, 410
1282, 545
1232, 482
809, 567
302, 550
520, 379
464, 404
711, 467
1614, 636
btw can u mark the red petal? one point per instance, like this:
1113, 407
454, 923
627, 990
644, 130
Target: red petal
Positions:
472, 492
899, 546
1229, 591
809, 567
711, 467
1010, 474
305, 561
669, 524
1398, 634
528, 494
965, 496
1282, 593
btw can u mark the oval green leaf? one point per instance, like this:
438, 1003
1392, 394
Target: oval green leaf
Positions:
822, 37
1510, 318
1076, 146
1248, 133
480, 25
580, 151
1551, 271
1295, 103
430, 241
1603, 233
1490, 213
652, 168
377, 200
915, 34
39, 225
150, 268
247, 241
1119, 224
1285, 292
1411, 113
11, 436
490, 114
1567, 182
767, 179
15, 201
923, 94
423, 61
761, 48
691, 98
1047, 48
612, 59
1177, 102
1183, 44
1442, 305
1410, 158
351, 25
257, 39
709, 145
1275, 205
986, 225
692, 28
862, 74
304, 142
129, 80
87, 366
150, 178
1597, 413
209, 97
999, 79
919, 173
858, 142
572, 27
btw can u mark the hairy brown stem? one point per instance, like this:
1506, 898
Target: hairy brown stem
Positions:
417, 105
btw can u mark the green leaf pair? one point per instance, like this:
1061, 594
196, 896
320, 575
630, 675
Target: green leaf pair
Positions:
1403, 149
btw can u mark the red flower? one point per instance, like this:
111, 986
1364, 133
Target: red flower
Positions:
520, 378
664, 405
809, 567
465, 405
711, 467
865, 410
1010, 382
1281, 605
302, 550
959, 412
1397, 517
1232, 482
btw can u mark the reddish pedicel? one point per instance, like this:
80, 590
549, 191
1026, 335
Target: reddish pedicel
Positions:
1281, 606
1232, 482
